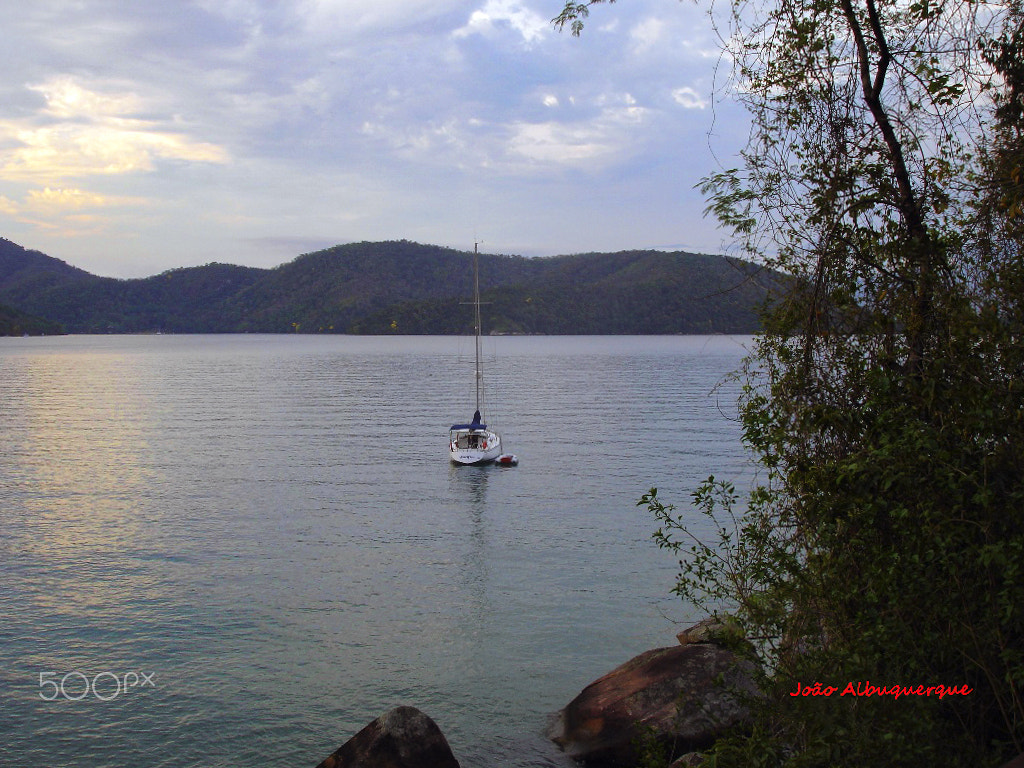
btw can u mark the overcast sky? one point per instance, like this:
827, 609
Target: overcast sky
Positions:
141, 135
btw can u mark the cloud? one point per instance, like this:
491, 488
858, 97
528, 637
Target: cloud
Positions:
66, 212
557, 143
346, 17
426, 143
501, 14
66, 99
76, 150
605, 138
689, 98
64, 201
83, 132
73, 199
647, 34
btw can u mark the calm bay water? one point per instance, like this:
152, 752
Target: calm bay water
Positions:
266, 533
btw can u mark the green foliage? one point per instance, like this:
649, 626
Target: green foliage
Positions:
574, 13
15, 323
747, 567
651, 751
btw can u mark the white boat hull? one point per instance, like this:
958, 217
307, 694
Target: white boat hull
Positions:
474, 446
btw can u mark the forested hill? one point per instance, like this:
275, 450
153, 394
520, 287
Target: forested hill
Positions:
16, 323
400, 287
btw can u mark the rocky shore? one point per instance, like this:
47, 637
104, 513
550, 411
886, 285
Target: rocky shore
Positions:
676, 700
679, 698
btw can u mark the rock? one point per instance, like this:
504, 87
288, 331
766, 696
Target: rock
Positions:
705, 631
689, 760
1017, 762
401, 738
668, 693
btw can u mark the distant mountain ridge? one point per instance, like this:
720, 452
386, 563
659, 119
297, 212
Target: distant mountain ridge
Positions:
400, 287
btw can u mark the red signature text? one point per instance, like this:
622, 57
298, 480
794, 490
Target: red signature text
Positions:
867, 689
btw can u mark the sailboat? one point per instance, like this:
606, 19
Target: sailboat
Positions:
475, 443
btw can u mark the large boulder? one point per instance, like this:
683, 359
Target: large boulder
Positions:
401, 738
684, 697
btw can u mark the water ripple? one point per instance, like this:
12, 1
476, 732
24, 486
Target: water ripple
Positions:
268, 527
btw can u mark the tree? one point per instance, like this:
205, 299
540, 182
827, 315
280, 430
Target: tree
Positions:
884, 402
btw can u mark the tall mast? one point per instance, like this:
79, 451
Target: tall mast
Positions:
476, 304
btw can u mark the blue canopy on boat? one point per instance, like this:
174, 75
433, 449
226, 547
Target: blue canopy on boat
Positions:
474, 425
